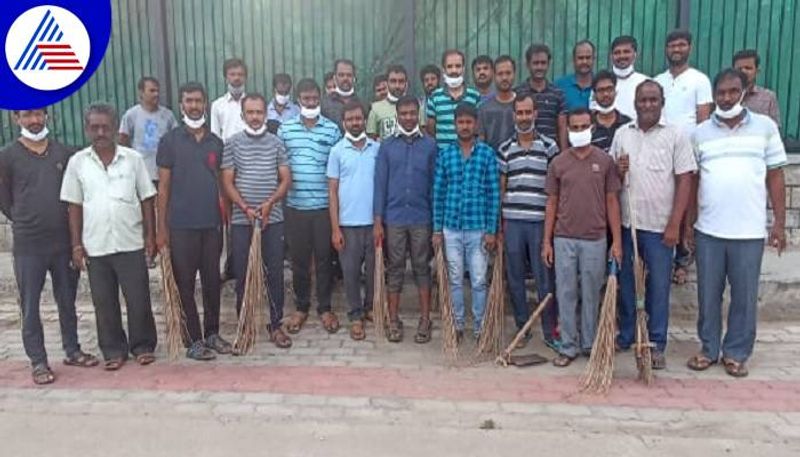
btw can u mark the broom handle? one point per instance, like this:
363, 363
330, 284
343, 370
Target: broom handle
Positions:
634, 238
529, 324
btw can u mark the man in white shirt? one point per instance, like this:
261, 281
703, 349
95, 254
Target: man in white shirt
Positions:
624, 51
226, 111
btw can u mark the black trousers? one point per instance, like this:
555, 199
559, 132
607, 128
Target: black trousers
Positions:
309, 236
196, 251
128, 271
272, 258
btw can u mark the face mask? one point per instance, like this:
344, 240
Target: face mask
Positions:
405, 132
353, 138
282, 100
453, 81
603, 109
391, 98
236, 91
343, 93
35, 137
309, 113
580, 139
194, 124
731, 113
528, 130
622, 72
260, 131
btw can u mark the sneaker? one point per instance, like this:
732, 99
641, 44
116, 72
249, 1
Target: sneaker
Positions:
198, 351
659, 360
553, 344
218, 344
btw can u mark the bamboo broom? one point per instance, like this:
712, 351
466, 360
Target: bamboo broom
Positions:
449, 339
380, 308
600, 370
251, 314
491, 339
505, 357
173, 310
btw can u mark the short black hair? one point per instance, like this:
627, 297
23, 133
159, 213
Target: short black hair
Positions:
100, 108
452, 52
146, 79
747, 54
466, 109
581, 110
379, 78
603, 75
192, 86
581, 43
281, 78
625, 39
729, 73
254, 96
483, 58
347, 62
396, 68
537, 48
354, 104
16, 111
233, 62
648, 82
407, 100
522, 97
679, 34
306, 85
430, 69
328, 77
506, 58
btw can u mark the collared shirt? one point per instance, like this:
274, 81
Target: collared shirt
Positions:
382, 119
442, 108
466, 192
194, 178
308, 150
602, 135
226, 116
332, 107
656, 157
626, 93
763, 101
733, 163
682, 95
145, 130
111, 198
575, 96
354, 168
290, 111
404, 180
525, 171
550, 104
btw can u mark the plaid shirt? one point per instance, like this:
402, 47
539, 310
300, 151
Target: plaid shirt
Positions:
466, 193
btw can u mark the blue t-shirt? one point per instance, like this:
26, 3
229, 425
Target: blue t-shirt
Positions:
575, 96
355, 170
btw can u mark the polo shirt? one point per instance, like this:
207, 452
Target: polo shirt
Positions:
145, 130
194, 178
441, 107
682, 94
111, 199
732, 196
763, 101
354, 168
332, 107
496, 121
226, 116
625, 101
602, 135
525, 171
550, 104
575, 96
307, 150
256, 161
382, 119
656, 157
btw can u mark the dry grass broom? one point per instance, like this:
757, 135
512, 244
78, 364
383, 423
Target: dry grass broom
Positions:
173, 310
449, 339
491, 339
600, 369
505, 357
380, 308
252, 316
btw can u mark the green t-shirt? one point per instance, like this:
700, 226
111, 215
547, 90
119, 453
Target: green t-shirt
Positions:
382, 119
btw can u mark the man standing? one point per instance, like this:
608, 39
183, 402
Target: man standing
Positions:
443, 101
226, 111
402, 210
466, 204
281, 108
189, 219
31, 170
308, 140
756, 98
431, 78
483, 74
606, 117
740, 155
383, 115
582, 205
256, 177
624, 51
112, 227
344, 77
351, 173
143, 125
577, 87
496, 115
523, 160
551, 117
658, 162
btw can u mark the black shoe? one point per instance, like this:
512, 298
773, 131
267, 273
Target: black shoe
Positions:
198, 351
659, 360
218, 344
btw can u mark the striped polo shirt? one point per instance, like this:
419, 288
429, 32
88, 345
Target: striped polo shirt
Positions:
550, 103
255, 160
308, 151
525, 171
442, 108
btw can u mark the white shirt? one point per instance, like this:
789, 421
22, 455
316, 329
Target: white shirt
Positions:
226, 116
111, 199
733, 163
682, 96
626, 93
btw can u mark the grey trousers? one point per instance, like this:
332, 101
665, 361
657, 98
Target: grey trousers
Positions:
587, 258
359, 249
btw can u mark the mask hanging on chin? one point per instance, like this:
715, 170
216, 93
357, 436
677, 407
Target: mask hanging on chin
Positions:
35, 137
391, 98
310, 113
355, 138
623, 72
344, 93
453, 81
580, 139
194, 123
282, 100
257, 132
603, 109
405, 132
731, 113
236, 91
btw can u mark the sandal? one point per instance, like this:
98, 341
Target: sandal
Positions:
357, 332
81, 359
329, 322
699, 362
395, 333
563, 361
114, 364
145, 359
423, 331
734, 368
296, 322
679, 276
42, 374
281, 340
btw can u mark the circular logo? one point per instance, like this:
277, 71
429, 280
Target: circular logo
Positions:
47, 47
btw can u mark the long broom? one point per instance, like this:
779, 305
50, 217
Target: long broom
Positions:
251, 314
642, 346
504, 358
175, 318
449, 339
491, 339
380, 308
600, 370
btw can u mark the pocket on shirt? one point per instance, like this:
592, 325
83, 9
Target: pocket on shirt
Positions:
122, 188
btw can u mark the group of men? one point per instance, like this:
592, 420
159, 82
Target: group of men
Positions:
562, 174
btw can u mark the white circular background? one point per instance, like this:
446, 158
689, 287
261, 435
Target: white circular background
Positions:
19, 35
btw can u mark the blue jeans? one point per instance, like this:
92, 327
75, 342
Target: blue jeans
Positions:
467, 246
523, 241
657, 258
739, 263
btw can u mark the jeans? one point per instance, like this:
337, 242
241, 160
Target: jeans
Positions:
414, 240
467, 246
359, 250
523, 241
30, 272
309, 236
739, 263
657, 258
271, 257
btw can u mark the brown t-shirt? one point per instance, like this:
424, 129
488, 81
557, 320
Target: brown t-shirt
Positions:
581, 186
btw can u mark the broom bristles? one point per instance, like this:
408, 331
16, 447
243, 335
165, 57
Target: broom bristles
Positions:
600, 370
252, 314
491, 339
380, 308
175, 318
644, 358
449, 339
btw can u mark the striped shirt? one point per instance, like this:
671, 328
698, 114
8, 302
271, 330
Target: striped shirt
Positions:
255, 160
550, 103
441, 107
525, 171
308, 151
733, 165
602, 136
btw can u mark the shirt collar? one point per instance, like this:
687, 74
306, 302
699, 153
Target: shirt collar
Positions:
229, 98
721, 124
368, 144
119, 154
635, 124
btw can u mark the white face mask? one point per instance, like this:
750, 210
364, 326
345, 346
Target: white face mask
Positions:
258, 132
603, 109
343, 93
731, 113
310, 113
528, 130
453, 81
35, 137
236, 91
405, 132
194, 123
623, 72
580, 139
391, 98
282, 100
354, 139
